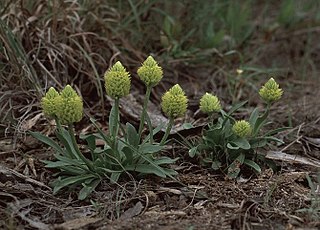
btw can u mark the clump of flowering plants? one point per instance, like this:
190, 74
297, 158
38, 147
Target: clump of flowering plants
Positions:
129, 153
229, 144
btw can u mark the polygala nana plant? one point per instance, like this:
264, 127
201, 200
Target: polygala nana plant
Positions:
130, 153
229, 144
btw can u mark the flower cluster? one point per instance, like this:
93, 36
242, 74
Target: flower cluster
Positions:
209, 103
117, 81
66, 106
150, 72
271, 91
174, 102
48, 103
242, 128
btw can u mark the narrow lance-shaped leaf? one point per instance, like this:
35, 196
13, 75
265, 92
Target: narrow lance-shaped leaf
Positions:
47, 141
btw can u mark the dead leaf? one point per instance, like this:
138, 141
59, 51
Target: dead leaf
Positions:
171, 190
131, 212
78, 223
295, 159
28, 124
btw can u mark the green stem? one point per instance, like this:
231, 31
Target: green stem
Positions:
75, 145
115, 128
166, 134
144, 111
268, 107
211, 118
116, 119
58, 124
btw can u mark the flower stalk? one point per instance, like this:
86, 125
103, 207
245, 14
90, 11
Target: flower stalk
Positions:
75, 145
168, 130
144, 110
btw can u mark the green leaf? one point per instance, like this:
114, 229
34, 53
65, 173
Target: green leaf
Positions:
187, 126
72, 170
216, 165
239, 142
88, 188
274, 139
258, 142
232, 146
276, 131
103, 136
165, 160
260, 122
47, 141
193, 151
76, 162
153, 132
253, 117
66, 139
128, 153
154, 148
56, 164
91, 141
132, 135
234, 167
146, 169
150, 148
236, 107
234, 172
115, 177
207, 160
170, 172
253, 165
59, 184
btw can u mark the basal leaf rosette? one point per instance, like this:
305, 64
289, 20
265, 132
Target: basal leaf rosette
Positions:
270, 91
174, 102
150, 72
242, 128
49, 103
117, 81
69, 106
209, 103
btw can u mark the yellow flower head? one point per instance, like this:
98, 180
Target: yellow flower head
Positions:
48, 102
242, 128
150, 72
174, 102
271, 91
117, 81
209, 103
69, 106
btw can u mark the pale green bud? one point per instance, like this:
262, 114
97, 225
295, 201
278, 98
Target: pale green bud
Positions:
150, 72
174, 102
69, 106
209, 103
271, 91
48, 103
117, 81
242, 128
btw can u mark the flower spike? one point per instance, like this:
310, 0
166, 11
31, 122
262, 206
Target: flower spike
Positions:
271, 91
69, 106
117, 81
242, 128
48, 103
174, 102
150, 72
209, 103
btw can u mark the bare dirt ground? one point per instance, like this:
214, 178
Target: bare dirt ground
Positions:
271, 200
